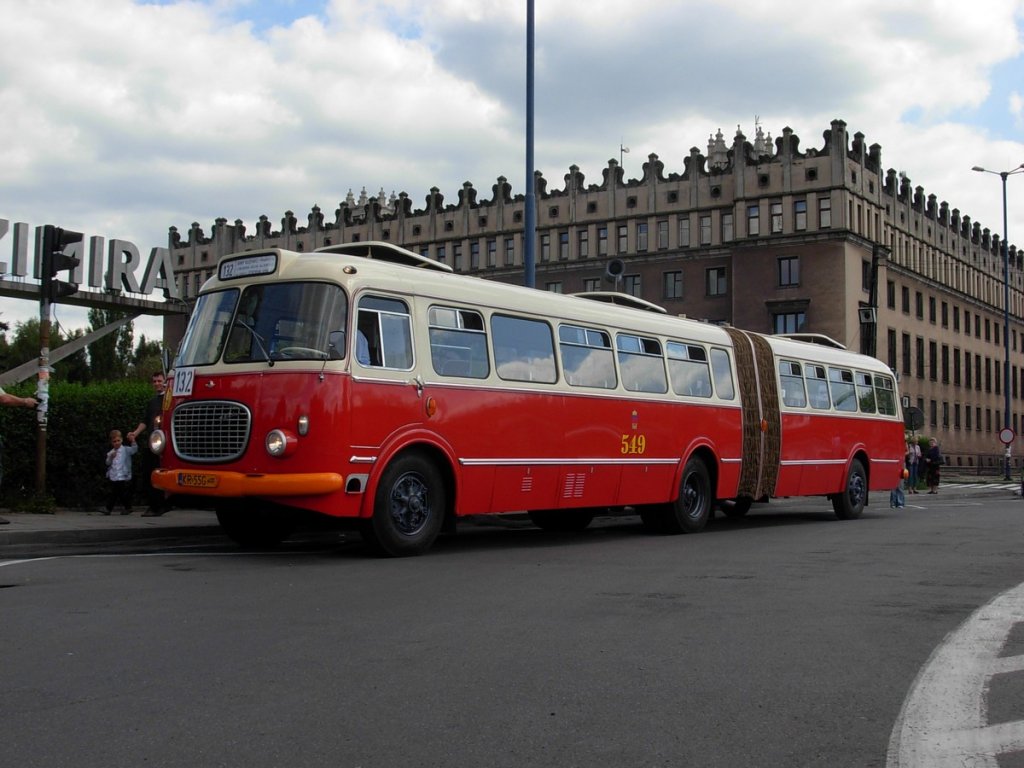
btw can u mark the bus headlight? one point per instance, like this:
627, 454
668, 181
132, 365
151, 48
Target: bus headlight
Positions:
157, 441
280, 443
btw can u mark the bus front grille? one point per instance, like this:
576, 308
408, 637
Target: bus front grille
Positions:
210, 430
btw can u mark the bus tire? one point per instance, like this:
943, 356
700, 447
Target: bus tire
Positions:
735, 508
689, 513
562, 520
408, 508
252, 525
849, 504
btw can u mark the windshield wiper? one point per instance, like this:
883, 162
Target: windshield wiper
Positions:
260, 341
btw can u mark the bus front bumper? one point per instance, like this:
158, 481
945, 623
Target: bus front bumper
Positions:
235, 484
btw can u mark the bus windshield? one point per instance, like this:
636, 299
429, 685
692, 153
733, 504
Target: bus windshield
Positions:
267, 322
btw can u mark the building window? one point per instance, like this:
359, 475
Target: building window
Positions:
865, 275
441, 255
623, 238
824, 212
890, 294
956, 318
727, 230
931, 310
907, 353
602, 241
800, 215
457, 256
945, 315
945, 364
663, 234
776, 211
967, 370
705, 230
510, 251
891, 339
583, 242
716, 283
789, 271
905, 297
492, 252
920, 357
591, 284
631, 285
684, 232
788, 322
641, 237
555, 287
753, 220
545, 247
563, 245
474, 255
919, 305
956, 367
672, 283
933, 360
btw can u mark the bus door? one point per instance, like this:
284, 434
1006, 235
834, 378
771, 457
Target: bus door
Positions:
762, 430
385, 394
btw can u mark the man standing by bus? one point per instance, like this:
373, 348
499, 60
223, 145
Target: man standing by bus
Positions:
151, 420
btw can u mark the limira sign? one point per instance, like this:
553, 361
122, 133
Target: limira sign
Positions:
114, 266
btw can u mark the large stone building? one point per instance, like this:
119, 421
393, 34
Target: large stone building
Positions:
764, 235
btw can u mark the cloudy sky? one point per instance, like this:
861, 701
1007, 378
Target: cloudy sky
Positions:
124, 118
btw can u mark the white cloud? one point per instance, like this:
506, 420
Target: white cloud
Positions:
160, 115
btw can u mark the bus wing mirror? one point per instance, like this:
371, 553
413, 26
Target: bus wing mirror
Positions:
336, 345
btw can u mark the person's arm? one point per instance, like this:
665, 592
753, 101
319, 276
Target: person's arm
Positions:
134, 434
14, 400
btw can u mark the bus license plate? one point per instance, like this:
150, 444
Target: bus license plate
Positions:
197, 480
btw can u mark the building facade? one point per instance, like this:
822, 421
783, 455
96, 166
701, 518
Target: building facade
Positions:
761, 235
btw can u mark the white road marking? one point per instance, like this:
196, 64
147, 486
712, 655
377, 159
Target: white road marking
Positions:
944, 719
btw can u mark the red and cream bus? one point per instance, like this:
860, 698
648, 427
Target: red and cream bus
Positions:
362, 381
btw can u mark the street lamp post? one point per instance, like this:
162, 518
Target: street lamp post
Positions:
1004, 175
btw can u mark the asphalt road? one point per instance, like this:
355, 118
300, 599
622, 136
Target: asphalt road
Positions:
785, 639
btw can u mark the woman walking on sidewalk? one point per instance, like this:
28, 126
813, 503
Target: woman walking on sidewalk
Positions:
913, 461
933, 460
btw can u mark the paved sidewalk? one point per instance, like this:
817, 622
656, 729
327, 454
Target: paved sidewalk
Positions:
78, 527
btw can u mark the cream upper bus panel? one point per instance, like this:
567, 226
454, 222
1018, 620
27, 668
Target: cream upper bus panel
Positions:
358, 273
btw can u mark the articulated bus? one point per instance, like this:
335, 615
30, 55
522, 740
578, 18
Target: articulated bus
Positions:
364, 382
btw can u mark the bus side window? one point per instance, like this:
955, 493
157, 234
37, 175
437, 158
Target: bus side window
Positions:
817, 388
641, 363
886, 394
458, 343
865, 392
791, 381
688, 367
523, 349
383, 333
586, 357
843, 393
722, 371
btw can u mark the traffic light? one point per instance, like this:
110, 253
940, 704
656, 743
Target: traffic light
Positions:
55, 261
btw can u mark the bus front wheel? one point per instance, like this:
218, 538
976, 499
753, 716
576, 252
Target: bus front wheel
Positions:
849, 504
408, 508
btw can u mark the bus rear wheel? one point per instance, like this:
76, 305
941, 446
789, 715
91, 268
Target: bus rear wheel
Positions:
562, 520
689, 513
849, 504
253, 524
408, 509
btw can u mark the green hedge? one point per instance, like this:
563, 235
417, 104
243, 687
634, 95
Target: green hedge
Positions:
77, 441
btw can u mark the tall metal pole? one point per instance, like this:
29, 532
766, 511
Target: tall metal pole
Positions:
1006, 328
1007, 430
530, 219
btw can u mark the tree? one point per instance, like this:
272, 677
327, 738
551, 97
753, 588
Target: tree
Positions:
110, 356
146, 359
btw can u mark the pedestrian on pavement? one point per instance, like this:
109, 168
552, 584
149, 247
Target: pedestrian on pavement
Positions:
16, 402
913, 462
119, 472
151, 420
932, 461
